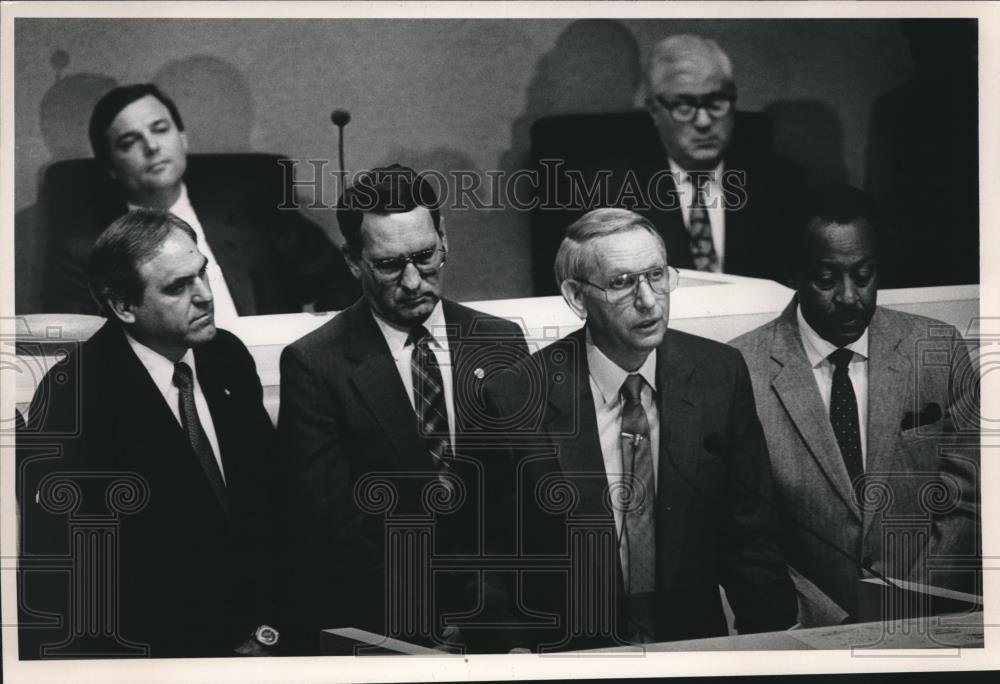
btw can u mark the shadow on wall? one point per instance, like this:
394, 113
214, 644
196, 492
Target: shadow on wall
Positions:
214, 99
62, 118
472, 228
809, 133
592, 68
923, 155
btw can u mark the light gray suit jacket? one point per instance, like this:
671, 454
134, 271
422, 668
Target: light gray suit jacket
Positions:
915, 513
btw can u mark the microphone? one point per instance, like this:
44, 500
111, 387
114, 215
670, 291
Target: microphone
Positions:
340, 118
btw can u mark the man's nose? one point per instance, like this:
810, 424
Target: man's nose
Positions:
150, 144
702, 119
847, 292
203, 290
411, 278
645, 298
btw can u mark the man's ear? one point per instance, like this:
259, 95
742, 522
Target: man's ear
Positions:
184, 140
572, 292
122, 310
444, 235
353, 262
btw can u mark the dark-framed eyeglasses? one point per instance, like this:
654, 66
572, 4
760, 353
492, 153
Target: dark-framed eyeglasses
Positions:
427, 262
684, 108
661, 280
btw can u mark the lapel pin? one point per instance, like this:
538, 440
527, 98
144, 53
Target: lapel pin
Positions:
226, 390
479, 373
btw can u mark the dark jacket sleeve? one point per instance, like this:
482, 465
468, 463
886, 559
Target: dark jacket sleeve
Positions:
755, 577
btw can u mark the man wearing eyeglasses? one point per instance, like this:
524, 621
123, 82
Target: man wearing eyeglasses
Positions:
386, 391
642, 442
718, 206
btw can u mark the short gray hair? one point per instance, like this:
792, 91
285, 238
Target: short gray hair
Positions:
685, 52
573, 258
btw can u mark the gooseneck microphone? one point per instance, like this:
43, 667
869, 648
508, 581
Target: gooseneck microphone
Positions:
340, 118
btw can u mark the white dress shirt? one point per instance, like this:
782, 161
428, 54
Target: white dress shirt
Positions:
606, 379
161, 370
817, 350
402, 355
715, 203
225, 307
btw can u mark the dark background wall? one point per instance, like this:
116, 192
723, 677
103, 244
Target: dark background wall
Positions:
445, 94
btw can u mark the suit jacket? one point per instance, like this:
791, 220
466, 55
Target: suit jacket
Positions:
191, 581
274, 261
759, 192
358, 466
713, 523
921, 466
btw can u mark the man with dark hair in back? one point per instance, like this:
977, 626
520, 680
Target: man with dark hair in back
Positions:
872, 421
262, 260
386, 393
162, 402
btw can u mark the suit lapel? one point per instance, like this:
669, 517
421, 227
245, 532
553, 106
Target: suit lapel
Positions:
571, 412
680, 445
888, 378
379, 386
795, 385
151, 413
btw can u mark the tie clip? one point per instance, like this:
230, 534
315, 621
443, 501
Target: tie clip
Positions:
635, 437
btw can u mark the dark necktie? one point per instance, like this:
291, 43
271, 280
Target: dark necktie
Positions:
428, 395
700, 226
638, 527
183, 380
844, 413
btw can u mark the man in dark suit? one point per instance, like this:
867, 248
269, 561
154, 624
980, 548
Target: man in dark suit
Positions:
716, 193
262, 260
378, 414
159, 429
641, 444
871, 417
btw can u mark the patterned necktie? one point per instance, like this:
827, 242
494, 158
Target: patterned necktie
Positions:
700, 226
638, 527
428, 395
844, 413
184, 381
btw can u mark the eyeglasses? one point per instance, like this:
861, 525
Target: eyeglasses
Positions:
685, 108
661, 280
427, 262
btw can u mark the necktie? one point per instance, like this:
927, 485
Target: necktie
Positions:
183, 380
700, 226
638, 531
844, 413
428, 395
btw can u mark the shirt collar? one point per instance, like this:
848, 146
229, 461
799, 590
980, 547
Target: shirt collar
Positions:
396, 336
715, 175
159, 367
609, 376
817, 349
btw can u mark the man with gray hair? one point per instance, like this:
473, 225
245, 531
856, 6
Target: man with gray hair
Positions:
653, 434
719, 198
